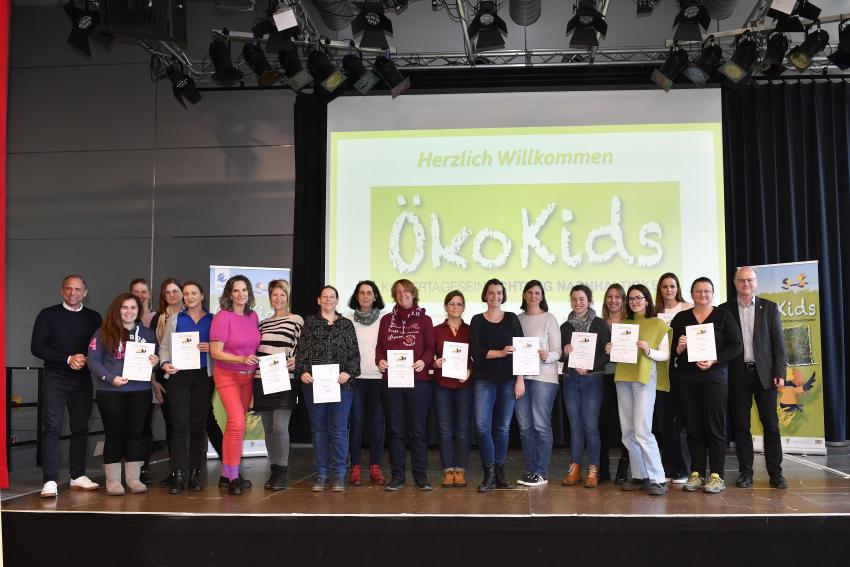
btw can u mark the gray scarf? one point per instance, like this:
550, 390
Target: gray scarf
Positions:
366, 317
582, 325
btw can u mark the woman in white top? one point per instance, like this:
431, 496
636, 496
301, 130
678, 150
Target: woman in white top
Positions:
668, 297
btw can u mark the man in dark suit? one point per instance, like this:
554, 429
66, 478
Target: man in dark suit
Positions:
756, 376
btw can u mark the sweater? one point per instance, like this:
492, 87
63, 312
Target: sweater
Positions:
486, 336
105, 366
443, 333
277, 334
407, 329
545, 327
656, 332
240, 335
367, 338
59, 333
324, 343
727, 341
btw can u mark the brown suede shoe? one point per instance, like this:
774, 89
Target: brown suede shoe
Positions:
592, 479
448, 479
460, 480
573, 476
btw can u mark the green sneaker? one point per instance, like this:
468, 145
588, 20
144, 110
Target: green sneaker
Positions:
695, 482
715, 484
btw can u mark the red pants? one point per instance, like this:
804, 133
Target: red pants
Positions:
235, 390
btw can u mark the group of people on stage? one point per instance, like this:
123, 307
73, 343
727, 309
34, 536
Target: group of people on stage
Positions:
649, 405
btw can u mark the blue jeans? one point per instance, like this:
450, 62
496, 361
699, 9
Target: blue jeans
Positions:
454, 414
407, 409
494, 406
367, 393
635, 402
582, 399
534, 417
329, 426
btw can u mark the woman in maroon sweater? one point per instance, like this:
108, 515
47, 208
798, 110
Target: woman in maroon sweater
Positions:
407, 327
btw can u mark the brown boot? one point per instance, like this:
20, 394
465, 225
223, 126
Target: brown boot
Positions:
573, 476
460, 480
448, 479
592, 477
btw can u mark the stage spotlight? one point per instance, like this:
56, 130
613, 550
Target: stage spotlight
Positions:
390, 74
789, 21
841, 56
676, 62
743, 59
801, 56
226, 74
183, 86
324, 71
645, 7
585, 25
691, 17
777, 46
86, 24
279, 26
373, 24
259, 63
488, 27
364, 80
296, 76
705, 67
396, 6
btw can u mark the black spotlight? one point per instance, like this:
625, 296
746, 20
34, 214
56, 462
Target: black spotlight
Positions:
183, 86
364, 80
86, 24
489, 28
324, 71
259, 63
691, 17
773, 63
801, 56
789, 22
676, 62
740, 66
841, 56
645, 7
705, 67
390, 74
585, 25
296, 76
226, 74
373, 24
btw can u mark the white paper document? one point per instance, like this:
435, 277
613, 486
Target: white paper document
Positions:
455, 358
184, 351
326, 383
526, 357
137, 361
274, 374
624, 338
400, 369
701, 346
584, 351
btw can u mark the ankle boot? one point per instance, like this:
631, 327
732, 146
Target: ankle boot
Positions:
592, 479
195, 483
272, 475
448, 478
145, 475
460, 478
573, 476
113, 479
489, 482
354, 475
132, 470
279, 479
622, 471
501, 481
179, 483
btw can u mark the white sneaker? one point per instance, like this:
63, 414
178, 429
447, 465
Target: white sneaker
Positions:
50, 490
83, 483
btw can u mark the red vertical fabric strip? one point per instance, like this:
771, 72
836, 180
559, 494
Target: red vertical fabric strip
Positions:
4, 85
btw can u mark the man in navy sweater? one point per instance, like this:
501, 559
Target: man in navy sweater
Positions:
60, 337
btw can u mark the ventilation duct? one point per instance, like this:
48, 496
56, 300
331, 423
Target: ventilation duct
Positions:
720, 9
524, 12
336, 14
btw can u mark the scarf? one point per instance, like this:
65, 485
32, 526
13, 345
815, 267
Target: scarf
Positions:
582, 325
366, 317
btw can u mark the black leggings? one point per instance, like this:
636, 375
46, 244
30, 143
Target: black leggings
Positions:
190, 392
123, 415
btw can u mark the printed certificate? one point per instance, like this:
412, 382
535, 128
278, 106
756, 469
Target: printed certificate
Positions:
701, 346
400, 369
325, 383
137, 361
184, 351
455, 358
274, 374
584, 351
526, 357
624, 340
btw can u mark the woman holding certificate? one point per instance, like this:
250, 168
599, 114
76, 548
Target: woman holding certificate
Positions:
613, 311
496, 387
453, 398
121, 358
641, 348
583, 336
327, 360
234, 338
183, 351
534, 409
405, 351
706, 339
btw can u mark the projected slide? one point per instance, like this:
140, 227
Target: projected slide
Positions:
564, 201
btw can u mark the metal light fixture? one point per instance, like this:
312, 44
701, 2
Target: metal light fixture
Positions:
182, 85
364, 80
705, 66
676, 62
85, 19
296, 76
801, 56
259, 63
773, 63
740, 66
841, 56
390, 74
373, 24
789, 22
328, 76
692, 16
645, 7
487, 28
226, 74
586, 23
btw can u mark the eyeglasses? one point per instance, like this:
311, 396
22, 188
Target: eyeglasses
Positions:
454, 304
746, 280
636, 299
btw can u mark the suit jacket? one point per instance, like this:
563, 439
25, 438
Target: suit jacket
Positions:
769, 351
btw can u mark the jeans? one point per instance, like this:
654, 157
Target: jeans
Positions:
329, 427
454, 415
494, 406
123, 415
58, 391
235, 390
407, 409
276, 428
534, 418
368, 406
190, 392
635, 402
582, 400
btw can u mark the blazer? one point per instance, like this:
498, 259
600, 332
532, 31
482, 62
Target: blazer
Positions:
769, 351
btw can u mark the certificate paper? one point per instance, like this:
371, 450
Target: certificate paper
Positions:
526, 358
184, 351
455, 357
624, 340
400, 369
701, 346
137, 361
325, 383
273, 373
584, 351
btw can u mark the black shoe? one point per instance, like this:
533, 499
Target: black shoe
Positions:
235, 487
489, 482
224, 482
281, 480
270, 481
501, 481
395, 484
195, 483
178, 483
145, 474
636, 484
622, 471
167, 482
744, 480
423, 484
778, 481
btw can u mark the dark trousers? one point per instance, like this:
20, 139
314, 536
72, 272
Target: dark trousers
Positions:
214, 433
741, 396
123, 415
368, 406
190, 395
704, 404
407, 409
147, 431
610, 434
57, 392
454, 419
665, 431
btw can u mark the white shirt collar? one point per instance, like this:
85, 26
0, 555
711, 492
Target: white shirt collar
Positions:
69, 308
